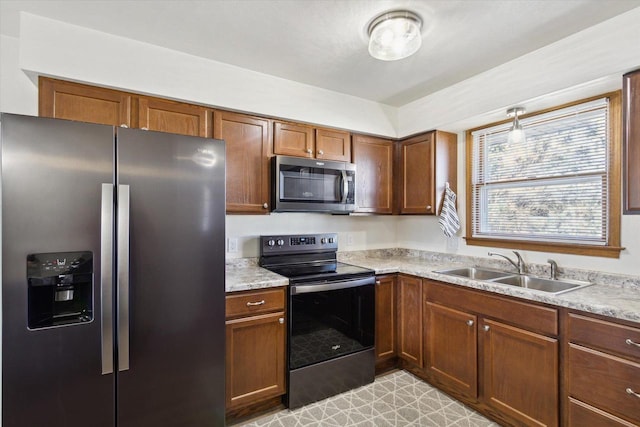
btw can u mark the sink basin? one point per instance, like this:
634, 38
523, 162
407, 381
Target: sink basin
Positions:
475, 273
540, 284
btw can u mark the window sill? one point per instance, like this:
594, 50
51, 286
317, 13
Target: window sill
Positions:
564, 248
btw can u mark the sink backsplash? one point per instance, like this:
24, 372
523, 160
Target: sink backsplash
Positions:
542, 270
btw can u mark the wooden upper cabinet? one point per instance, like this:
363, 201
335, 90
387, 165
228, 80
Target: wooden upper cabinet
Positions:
173, 117
248, 142
426, 162
333, 145
299, 140
291, 139
74, 101
631, 135
374, 174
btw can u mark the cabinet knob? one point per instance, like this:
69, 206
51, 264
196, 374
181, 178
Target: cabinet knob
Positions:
124, 126
320, 152
377, 282
144, 128
486, 328
428, 207
470, 322
266, 206
281, 320
309, 150
629, 341
630, 391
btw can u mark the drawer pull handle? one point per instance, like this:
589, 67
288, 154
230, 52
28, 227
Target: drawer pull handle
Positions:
252, 304
469, 322
630, 342
630, 391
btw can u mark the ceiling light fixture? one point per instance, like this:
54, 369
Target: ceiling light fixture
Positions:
395, 35
516, 133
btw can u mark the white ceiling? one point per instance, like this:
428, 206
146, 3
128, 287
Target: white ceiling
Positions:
323, 42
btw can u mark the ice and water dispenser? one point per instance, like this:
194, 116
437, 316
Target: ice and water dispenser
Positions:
60, 288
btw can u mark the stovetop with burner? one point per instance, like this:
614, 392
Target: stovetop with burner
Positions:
307, 258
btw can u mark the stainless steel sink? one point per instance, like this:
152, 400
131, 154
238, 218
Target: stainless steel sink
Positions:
475, 273
539, 284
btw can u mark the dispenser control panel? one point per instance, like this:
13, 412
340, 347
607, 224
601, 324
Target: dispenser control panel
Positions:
60, 289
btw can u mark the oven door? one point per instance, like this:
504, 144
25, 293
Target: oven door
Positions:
330, 320
309, 185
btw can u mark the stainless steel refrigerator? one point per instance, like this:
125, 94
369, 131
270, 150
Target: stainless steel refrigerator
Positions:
112, 276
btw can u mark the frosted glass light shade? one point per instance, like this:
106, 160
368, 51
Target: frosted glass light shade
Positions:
516, 134
395, 35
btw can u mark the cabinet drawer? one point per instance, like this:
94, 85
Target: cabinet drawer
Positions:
254, 302
602, 380
607, 336
581, 415
529, 316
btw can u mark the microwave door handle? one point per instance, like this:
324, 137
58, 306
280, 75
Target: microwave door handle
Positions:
345, 187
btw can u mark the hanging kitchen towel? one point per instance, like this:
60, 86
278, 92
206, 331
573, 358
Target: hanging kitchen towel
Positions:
449, 221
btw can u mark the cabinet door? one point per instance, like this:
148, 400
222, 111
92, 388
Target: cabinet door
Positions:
631, 129
410, 319
333, 145
427, 163
520, 373
385, 318
248, 145
173, 117
417, 176
255, 358
291, 139
451, 348
374, 176
73, 101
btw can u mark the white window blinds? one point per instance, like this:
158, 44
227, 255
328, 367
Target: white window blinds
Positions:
551, 188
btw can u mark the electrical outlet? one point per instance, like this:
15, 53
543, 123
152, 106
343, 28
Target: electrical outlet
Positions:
232, 245
349, 239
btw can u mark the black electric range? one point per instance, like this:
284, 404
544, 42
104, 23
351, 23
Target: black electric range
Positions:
331, 316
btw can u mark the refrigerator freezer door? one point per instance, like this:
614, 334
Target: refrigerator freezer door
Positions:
176, 280
52, 172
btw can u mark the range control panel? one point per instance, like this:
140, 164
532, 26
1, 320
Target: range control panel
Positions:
298, 243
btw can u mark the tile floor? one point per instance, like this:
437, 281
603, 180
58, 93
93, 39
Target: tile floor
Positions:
395, 399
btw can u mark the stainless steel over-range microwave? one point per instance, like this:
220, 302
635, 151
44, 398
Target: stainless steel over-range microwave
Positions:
313, 185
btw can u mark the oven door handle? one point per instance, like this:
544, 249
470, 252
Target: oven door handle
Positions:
321, 287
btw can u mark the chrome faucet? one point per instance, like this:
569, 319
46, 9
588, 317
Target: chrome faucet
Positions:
519, 265
554, 269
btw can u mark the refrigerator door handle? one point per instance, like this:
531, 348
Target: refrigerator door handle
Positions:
123, 277
106, 277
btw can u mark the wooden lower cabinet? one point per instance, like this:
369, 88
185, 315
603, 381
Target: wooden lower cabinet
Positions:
482, 350
602, 372
410, 319
451, 348
385, 318
520, 373
255, 349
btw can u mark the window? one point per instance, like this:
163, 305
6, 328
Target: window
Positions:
559, 191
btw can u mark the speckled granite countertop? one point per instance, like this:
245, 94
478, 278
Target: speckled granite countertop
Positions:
612, 295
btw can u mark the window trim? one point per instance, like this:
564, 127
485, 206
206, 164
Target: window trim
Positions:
612, 247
